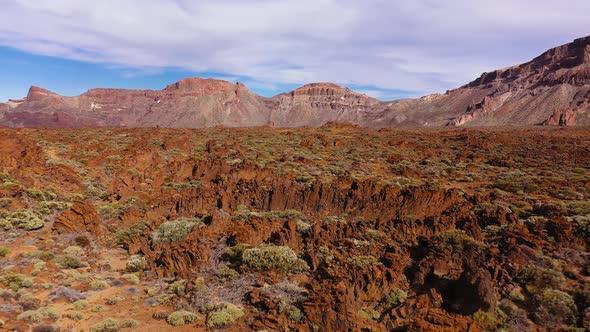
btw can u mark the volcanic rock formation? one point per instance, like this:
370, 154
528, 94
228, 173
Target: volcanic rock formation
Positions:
526, 94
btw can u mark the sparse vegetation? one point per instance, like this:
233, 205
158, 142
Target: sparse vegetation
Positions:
270, 258
182, 317
174, 231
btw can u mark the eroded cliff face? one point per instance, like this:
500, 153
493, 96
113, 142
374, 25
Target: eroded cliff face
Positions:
383, 230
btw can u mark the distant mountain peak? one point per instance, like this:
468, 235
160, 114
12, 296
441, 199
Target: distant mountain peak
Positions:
552, 89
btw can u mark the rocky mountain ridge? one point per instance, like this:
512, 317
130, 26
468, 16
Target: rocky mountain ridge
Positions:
528, 94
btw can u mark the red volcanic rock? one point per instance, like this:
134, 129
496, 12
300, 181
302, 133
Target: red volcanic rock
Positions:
568, 118
80, 218
561, 118
198, 86
38, 94
320, 89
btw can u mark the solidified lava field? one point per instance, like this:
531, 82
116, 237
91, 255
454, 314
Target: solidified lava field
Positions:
336, 228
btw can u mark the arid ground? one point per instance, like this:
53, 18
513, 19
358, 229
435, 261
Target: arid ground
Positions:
335, 228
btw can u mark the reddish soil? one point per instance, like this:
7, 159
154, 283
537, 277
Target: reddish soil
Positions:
393, 230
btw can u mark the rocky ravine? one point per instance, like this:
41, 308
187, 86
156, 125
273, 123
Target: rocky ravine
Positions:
526, 94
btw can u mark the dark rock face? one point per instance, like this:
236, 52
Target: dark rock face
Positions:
521, 95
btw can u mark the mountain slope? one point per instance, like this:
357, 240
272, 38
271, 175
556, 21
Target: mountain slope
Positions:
552, 89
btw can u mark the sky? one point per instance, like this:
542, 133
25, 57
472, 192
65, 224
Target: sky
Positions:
388, 49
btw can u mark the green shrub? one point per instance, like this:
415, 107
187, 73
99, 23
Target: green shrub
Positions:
5, 202
174, 231
24, 219
226, 315
124, 235
219, 319
73, 251
395, 297
488, 321
107, 325
36, 194
177, 287
369, 314
131, 278
559, 304
114, 299
48, 313
30, 316
68, 262
228, 274
458, 239
128, 323
111, 211
136, 263
74, 315
295, 314
235, 253
540, 277
270, 258
98, 285
4, 251
179, 318
362, 261
16, 281
80, 305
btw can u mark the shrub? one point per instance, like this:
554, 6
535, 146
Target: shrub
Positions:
99, 284
73, 251
80, 305
23, 219
36, 194
177, 287
219, 319
4, 251
128, 323
74, 315
30, 316
124, 235
5, 202
235, 253
295, 314
182, 317
174, 231
369, 314
270, 258
114, 300
458, 239
228, 274
362, 261
136, 263
131, 278
69, 262
107, 325
160, 315
487, 320
540, 277
558, 304
395, 297
48, 313
44, 328
16, 281
111, 211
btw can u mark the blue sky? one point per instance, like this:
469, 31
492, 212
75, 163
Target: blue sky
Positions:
387, 49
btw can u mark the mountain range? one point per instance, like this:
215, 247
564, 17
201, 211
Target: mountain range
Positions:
552, 89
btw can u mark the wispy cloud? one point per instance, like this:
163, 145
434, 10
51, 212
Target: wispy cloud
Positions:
413, 45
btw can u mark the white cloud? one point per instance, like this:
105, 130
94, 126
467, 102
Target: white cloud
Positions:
416, 45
